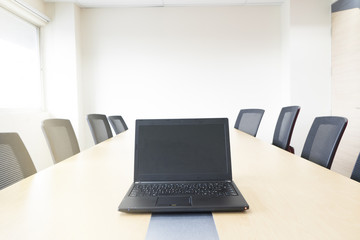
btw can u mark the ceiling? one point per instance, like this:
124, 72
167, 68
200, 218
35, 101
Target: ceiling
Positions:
166, 3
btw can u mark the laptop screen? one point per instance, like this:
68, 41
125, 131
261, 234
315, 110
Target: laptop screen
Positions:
182, 150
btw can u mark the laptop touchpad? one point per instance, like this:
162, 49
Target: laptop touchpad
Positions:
173, 201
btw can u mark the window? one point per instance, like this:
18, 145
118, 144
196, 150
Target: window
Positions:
20, 75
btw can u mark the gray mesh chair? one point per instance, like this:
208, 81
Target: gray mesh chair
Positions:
323, 140
15, 161
99, 127
248, 120
355, 175
284, 127
61, 138
118, 124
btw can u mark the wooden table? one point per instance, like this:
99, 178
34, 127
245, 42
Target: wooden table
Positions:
289, 197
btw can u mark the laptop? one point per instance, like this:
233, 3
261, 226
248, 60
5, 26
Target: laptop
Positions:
182, 165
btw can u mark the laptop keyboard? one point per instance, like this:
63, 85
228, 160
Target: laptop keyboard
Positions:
211, 189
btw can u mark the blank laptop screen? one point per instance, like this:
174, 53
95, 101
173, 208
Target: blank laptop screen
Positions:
182, 149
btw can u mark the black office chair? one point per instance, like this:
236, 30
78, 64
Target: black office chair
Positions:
355, 175
99, 127
248, 120
284, 127
61, 138
118, 124
323, 140
15, 161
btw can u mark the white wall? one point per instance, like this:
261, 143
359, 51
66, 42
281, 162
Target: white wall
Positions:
209, 61
182, 62
61, 63
310, 63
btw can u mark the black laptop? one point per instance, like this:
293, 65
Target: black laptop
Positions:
182, 165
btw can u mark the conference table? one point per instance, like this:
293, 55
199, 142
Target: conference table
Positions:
289, 197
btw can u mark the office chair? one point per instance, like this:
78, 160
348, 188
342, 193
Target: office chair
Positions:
99, 127
118, 124
323, 140
355, 175
61, 138
284, 127
248, 120
15, 161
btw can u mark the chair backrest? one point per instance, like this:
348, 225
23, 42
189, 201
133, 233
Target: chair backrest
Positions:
99, 127
118, 124
323, 140
15, 161
355, 175
61, 138
285, 126
248, 120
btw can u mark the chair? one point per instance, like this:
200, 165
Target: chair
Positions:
61, 138
284, 127
99, 127
248, 120
323, 140
118, 124
15, 161
355, 175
